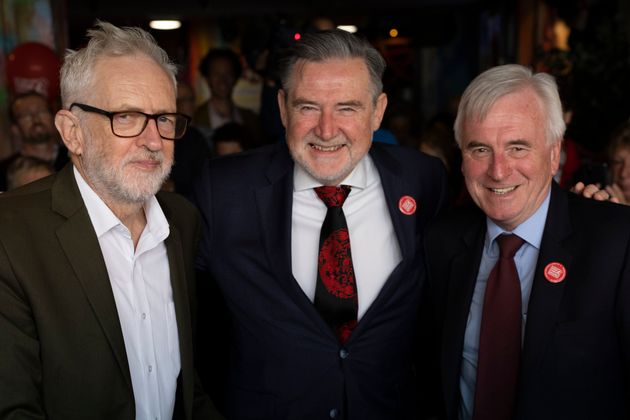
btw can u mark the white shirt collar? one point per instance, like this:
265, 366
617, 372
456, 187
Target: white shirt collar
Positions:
531, 230
362, 175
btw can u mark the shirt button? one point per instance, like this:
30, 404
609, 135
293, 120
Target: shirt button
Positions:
150, 368
343, 353
144, 316
334, 413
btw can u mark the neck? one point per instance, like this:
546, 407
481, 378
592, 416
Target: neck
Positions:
221, 106
131, 214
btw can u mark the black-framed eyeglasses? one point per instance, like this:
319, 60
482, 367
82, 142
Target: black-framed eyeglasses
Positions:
170, 126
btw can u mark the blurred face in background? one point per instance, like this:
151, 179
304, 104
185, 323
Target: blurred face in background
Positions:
185, 99
221, 78
34, 119
620, 169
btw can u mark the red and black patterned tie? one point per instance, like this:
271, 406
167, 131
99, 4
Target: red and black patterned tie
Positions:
500, 337
336, 290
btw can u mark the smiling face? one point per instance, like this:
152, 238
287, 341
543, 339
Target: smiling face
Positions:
330, 116
507, 162
127, 170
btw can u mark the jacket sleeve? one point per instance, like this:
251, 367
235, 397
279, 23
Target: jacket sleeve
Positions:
20, 364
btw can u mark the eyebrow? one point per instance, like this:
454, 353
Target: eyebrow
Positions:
518, 142
134, 108
303, 101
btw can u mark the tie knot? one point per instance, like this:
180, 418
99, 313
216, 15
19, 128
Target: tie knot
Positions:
333, 196
508, 245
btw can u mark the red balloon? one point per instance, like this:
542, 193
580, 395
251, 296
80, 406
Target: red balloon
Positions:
32, 66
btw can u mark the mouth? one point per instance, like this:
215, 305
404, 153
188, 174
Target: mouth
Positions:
502, 191
326, 149
147, 164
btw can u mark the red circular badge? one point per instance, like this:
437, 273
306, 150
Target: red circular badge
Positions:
407, 205
555, 272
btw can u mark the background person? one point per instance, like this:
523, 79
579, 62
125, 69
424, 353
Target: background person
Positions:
32, 124
619, 164
221, 67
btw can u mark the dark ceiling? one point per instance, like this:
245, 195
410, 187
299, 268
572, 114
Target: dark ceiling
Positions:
200, 9
427, 16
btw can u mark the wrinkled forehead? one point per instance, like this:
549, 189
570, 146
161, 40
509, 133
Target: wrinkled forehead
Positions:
136, 75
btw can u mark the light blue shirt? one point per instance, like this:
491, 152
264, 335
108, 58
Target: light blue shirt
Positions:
531, 230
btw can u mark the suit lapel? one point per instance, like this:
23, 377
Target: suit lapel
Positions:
395, 186
80, 244
182, 310
275, 205
461, 284
544, 302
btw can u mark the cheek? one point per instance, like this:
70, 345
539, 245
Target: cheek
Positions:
299, 125
472, 168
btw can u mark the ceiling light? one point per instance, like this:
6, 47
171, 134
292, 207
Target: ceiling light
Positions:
348, 28
165, 25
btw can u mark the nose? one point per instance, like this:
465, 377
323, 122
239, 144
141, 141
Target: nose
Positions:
326, 126
499, 167
150, 137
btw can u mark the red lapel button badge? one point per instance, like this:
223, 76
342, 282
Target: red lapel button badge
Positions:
407, 205
555, 272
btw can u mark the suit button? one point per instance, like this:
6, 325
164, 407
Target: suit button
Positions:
343, 353
334, 413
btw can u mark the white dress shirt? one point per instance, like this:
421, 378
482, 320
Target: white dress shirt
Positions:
141, 284
374, 245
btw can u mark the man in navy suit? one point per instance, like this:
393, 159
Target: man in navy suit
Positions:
572, 307
261, 243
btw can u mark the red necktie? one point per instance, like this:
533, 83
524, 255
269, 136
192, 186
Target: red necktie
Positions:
500, 337
336, 289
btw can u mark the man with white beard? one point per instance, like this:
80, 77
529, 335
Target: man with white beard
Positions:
96, 270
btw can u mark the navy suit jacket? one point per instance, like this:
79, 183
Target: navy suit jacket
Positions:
286, 363
576, 352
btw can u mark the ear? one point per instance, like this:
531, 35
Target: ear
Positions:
556, 150
68, 126
379, 111
282, 104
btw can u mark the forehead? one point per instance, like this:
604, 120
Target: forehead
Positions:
133, 81
221, 64
521, 111
330, 75
30, 102
622, 150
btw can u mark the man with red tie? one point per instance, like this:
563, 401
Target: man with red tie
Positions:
531, 291
316, 246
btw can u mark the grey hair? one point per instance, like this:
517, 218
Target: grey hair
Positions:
331, 44
487, 88
107, 40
